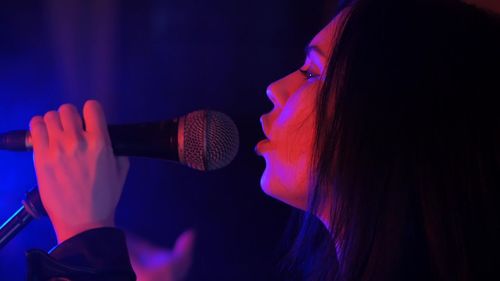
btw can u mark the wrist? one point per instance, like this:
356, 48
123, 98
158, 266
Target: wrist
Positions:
65, 231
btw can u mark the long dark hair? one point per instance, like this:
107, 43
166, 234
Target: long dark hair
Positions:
407, 151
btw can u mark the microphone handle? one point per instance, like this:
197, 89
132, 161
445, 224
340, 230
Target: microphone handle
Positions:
32, 208
158, 140
14, 225
152, 140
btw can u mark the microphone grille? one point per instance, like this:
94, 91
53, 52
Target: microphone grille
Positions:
211, 140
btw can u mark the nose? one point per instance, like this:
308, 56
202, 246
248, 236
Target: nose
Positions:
272, 96
277, 93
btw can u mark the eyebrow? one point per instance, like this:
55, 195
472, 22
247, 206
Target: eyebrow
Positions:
314, 48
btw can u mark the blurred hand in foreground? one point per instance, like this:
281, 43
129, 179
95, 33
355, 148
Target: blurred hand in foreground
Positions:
152, 263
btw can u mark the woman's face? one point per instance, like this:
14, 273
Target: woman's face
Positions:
290, 126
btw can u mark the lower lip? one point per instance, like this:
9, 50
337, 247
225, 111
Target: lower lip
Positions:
261, 146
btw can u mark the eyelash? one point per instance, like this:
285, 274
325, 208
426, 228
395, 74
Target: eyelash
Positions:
307, 74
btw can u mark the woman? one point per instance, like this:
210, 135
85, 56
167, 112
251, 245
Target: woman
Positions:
402, 136
388, 137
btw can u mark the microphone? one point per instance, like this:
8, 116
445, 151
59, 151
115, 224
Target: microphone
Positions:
203, 140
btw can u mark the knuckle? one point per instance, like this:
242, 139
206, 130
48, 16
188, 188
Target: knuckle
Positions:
50, 116
68, 110
56, 155
98, 143
74, 145
67, 107
92, 102
93, 109
36, 120
70, 115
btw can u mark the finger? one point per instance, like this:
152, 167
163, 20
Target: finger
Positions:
185, 243
183, 251
71, 120
54, 126
95, 120
39, 134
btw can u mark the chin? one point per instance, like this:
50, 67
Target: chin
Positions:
268, 186
274, 188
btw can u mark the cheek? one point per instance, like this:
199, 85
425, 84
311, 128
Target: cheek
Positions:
295, 135
286, 176
287, 173
297, 130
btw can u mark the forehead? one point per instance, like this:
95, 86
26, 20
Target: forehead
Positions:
330, 33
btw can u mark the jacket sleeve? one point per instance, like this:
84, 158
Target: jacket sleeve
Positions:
97, 254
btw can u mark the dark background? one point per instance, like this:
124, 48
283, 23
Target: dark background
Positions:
154, 60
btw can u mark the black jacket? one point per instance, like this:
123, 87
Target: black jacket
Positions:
97, 254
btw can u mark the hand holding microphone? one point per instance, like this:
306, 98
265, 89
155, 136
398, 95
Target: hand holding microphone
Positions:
81, 171
79, 179
73, 157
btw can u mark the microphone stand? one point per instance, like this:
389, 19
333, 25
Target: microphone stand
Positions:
32, 209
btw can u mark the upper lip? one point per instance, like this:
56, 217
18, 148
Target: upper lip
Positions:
265, 126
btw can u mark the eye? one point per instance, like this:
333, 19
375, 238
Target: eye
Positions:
307, 74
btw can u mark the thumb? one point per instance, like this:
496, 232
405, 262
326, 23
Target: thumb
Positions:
182, 253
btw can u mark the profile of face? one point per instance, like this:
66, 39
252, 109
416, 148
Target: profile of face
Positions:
290, 125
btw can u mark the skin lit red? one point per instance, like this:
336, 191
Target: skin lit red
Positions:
289, 126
